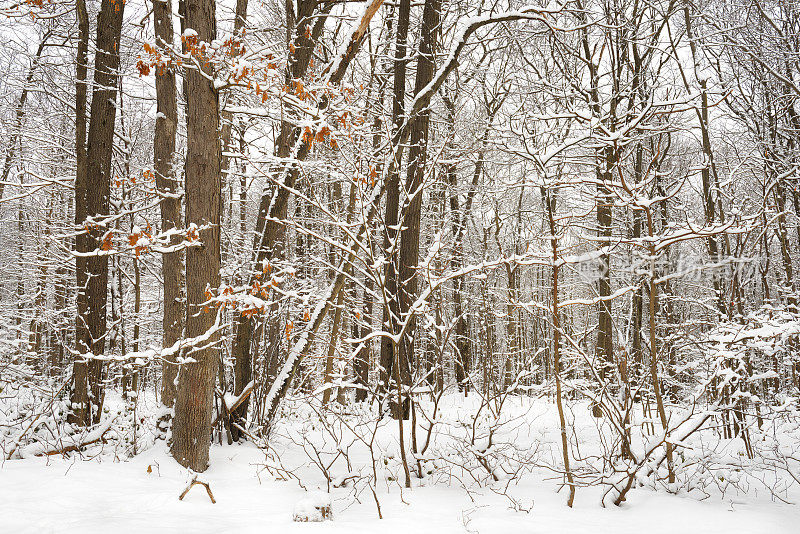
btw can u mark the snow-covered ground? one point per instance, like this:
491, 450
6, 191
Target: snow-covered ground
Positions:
104, 491
55, 495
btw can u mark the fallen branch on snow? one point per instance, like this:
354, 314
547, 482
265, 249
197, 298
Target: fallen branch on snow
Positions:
201, 483
96, 435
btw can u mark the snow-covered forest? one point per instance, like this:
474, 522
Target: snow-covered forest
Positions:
433, 266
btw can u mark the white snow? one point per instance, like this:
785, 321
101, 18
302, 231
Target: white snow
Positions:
313, 508
100, 491
107, 496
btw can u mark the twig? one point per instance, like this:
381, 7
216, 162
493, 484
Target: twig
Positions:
377, 503
200, 482
15, 445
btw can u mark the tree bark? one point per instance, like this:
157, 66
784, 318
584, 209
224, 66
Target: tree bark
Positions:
412, 210
92, 193
605, 334
391, 311
163, 163
191, 434
550, 207
80, 395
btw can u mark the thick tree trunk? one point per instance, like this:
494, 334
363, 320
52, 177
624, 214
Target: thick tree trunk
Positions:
80, 390
607, 159
191, 435
92, 201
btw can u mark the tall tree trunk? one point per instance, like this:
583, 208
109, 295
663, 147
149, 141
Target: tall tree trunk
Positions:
60, 327
512, 341
191, 434
167, 183
21, 275
605, 334
550, 207
607, 158
391, 312
412, 212
361, 363
80, 391
38, 325
273, 203
653, 310
92, 202
337, 314
637, 303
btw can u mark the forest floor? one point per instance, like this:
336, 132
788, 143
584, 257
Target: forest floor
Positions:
100, 492
79, 496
